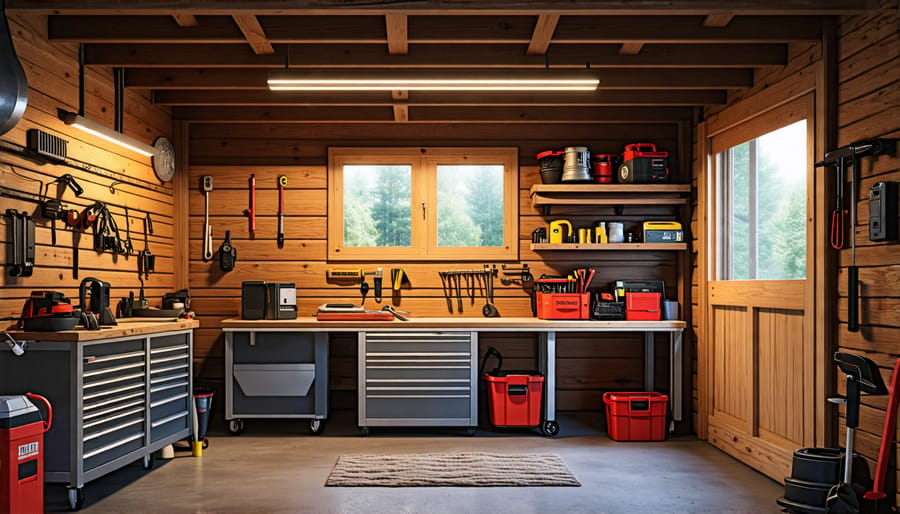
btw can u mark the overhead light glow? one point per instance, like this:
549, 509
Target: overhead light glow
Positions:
92, 127
289, 80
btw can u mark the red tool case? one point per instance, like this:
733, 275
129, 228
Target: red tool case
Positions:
643, 306
563, 305
641, 163
636, 416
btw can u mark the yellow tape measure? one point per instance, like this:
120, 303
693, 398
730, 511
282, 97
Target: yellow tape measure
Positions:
282, 180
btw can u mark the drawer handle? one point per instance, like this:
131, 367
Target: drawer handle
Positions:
113, 429
173, 417
98, 394
168, 400
113, 369
167, 359
170, 378
105, 412
170, 368
93, 359
416, 396
379, 388
166, 349
115, 380
167, 387
97, 405
112, 445
112, 418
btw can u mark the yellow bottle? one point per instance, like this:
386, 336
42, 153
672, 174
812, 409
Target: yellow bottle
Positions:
600, 233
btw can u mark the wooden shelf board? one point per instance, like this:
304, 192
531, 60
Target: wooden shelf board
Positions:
609, 246
648, 189
544, 200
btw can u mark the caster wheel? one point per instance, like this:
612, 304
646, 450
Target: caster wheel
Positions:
76, 498
236, 427
315, 425
205, 443
364, 431
148, 462
550, 428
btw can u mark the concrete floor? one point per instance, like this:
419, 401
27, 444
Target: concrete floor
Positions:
277, 467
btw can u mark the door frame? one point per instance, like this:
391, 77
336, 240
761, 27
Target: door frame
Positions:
820, 281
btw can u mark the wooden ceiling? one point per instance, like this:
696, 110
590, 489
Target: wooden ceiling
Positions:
656, 59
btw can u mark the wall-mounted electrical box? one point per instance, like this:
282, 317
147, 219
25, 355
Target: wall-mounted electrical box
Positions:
883, 212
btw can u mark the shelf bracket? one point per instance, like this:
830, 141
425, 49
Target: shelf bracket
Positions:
546, 209
618, 209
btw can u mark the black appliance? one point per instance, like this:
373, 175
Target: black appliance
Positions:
253, 299
97, 312
48, 311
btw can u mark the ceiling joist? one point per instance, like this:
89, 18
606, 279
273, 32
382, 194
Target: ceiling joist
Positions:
612, 78
718, 20
439, 29
574, 7
606, 98
186, 20
254, 34
433, 56
397, 38
543, 33
630, 48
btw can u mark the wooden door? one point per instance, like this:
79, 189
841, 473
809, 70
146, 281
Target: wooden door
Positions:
760, 353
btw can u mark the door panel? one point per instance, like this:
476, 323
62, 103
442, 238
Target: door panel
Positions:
732, 362
781, 361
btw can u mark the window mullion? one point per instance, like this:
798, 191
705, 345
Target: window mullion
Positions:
753, 207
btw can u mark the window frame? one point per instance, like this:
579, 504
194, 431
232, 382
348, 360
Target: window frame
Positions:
423, 238
779, 117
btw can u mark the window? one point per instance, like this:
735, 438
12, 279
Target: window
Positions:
762, 206
423, 204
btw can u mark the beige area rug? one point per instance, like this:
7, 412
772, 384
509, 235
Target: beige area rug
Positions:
451, 470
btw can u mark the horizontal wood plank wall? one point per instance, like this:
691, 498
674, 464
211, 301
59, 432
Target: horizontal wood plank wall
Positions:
869, 98
231, 152
869, 103
52, 71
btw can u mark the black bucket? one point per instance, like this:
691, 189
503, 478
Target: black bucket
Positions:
203, 397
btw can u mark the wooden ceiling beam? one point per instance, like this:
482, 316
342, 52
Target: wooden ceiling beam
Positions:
718, 20
254, 34
396, 28
421, 98
534, 7
449, 114
449, 29
186, 20
470, 56
543, 33
612, 78
630, 48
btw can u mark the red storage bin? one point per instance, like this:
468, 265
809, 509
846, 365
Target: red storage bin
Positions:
515, 399
643, 306
563, 305
636, 416
22, 453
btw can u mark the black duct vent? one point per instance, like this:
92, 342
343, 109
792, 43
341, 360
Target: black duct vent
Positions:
47, 145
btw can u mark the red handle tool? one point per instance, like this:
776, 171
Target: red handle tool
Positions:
252, 210
282, 183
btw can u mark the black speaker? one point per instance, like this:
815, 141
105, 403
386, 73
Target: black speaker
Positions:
253, 299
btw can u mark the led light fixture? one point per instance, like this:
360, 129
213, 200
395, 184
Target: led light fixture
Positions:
92, 127
432, 80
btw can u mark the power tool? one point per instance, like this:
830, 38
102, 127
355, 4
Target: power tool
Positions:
48, 311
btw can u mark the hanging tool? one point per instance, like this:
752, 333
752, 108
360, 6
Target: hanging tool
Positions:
445, 287
837, 158
876, 500
251, 212
282, 183
458, 293
22, 239
343, 274
837, 216
207, 185
227, 253
128, 245
146, 260
489, 310
377, 281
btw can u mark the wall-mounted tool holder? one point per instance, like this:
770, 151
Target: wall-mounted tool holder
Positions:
522, 273
206, 185
146, 260
21, 250
452, 285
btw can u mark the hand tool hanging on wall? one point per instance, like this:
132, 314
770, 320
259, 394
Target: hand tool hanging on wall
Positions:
227, 253
206, 183
106, 232
377, 281
489, 310
146, 260
837, 216
837, 158
350, 274
445, 287
128, 244
251, 212
282, 183
21, 249
399, 278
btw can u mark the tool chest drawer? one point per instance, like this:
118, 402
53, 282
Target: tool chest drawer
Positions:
170, 393
417, 379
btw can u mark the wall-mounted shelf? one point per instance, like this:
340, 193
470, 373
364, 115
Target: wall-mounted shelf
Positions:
617, 195
608, 246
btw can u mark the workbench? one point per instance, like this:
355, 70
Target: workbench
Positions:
118, 394
546, 330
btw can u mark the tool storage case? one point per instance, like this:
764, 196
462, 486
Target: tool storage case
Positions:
636, 416
514, 397
563, 305
271, 374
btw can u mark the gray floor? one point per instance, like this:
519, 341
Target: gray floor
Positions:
278, 467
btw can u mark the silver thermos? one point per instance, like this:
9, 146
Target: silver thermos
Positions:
577, 167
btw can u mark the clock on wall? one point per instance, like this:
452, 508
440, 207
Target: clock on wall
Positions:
164, 160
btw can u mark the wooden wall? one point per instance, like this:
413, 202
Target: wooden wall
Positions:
52, 71
868, 98
231, 152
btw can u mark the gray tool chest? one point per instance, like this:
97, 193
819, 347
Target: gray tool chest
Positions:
418, 379
275, 374
114, 400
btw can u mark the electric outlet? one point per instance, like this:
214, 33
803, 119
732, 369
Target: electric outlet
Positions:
207, 183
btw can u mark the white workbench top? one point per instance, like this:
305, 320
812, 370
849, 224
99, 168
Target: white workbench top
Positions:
478, 324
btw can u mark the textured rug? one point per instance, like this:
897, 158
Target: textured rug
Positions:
451, 470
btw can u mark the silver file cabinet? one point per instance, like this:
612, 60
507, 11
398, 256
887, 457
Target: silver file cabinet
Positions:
417, 379
275, 374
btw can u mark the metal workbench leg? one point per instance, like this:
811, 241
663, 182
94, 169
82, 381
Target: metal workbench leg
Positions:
675, 373
229, 376
547, 363
649, 356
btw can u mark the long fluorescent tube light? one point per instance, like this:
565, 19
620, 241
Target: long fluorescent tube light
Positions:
92, 127
363, 80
